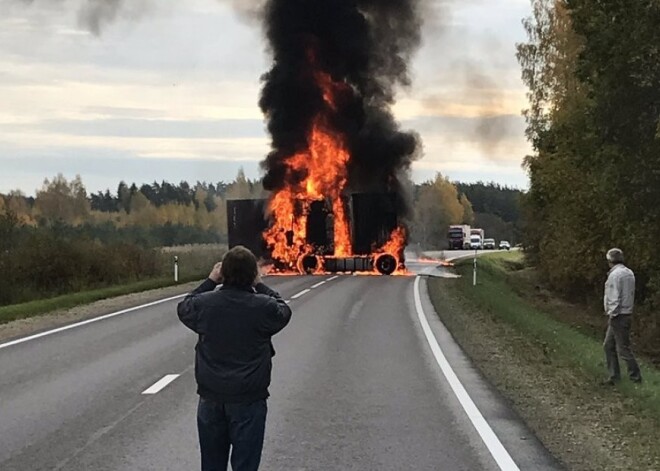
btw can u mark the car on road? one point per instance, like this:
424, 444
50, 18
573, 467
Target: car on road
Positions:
476, 243
505, 245
489, 244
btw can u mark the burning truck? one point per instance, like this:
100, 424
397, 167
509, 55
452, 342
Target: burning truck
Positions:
313, 241
338, 171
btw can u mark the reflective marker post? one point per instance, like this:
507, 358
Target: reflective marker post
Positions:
474, 270
176, 269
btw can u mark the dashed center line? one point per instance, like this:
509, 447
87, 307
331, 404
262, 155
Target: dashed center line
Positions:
160, 384
302, 293
305, 291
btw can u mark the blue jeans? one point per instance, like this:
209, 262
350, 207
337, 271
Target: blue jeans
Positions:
239, 426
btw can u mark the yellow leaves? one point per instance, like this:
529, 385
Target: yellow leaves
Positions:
436, 208
61, 200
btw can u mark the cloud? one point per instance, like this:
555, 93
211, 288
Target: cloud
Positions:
95, 15
100, 170
131, 91
92, 15
154, 128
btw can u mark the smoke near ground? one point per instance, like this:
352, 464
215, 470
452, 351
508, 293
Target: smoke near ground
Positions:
364, 45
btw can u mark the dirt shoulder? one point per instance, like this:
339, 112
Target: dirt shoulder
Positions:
24, 327
585, 425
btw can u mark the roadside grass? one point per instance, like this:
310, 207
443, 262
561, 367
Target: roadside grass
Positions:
496, 293
43, 306
194, 262
550, 369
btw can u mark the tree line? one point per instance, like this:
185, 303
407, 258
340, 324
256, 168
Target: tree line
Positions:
64, 239
593, 73
150, 215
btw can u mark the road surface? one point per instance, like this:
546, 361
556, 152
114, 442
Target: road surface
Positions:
357, 385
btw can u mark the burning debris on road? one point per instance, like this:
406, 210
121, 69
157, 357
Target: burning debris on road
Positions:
339, 165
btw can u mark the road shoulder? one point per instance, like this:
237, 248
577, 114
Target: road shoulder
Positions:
515, 436
32, 325
584, 425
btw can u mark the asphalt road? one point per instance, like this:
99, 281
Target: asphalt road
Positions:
356, 386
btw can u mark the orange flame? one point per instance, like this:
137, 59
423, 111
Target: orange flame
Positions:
395, 247
323, 165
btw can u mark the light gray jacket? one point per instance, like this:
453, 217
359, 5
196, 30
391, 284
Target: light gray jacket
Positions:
619, 291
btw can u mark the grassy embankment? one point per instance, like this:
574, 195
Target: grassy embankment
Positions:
550, 368
195, 261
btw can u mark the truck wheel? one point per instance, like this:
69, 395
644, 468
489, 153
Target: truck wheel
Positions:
385, 264
308, 264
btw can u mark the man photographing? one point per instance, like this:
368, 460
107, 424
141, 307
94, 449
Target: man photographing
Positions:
233, 359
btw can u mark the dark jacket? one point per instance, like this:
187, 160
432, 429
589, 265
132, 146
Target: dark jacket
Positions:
234, 350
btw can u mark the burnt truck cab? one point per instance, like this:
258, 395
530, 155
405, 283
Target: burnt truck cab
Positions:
373, 220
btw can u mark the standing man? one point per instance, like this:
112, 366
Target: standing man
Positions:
233, 359
618, 302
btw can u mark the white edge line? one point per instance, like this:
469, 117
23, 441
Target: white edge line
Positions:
160, 384
88, 321
497, 450
318, 284
302, 293
333, 278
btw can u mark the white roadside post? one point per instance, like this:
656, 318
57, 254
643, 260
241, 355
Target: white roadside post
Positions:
474, 270
176, 269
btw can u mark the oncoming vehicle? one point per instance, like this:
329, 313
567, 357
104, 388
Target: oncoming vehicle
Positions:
476, 243
504, 245
458, 237
489, 244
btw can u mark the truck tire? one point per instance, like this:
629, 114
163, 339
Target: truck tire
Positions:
385, 264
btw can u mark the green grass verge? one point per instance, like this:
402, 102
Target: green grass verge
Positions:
67, 301
496, 294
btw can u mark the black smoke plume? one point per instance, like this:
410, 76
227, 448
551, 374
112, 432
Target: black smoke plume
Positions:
363, 44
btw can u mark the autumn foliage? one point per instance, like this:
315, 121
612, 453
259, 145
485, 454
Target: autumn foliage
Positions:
593, 73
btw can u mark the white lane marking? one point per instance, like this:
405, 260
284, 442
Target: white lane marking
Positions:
302, 293
160, 384
497, 450
88, 321
319, 284
333, 278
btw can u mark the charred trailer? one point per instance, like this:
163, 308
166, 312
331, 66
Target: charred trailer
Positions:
374, 218
246, 222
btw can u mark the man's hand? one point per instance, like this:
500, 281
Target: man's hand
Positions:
216, 273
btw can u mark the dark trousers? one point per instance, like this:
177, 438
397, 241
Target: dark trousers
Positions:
239, 426
617, 344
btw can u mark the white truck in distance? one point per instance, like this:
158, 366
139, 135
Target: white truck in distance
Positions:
477, 239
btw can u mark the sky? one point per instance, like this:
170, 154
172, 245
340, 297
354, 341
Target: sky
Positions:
146, 90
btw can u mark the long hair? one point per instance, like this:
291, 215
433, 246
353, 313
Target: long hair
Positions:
239, 267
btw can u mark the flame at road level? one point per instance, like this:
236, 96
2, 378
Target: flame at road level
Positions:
323, 166
395, 247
